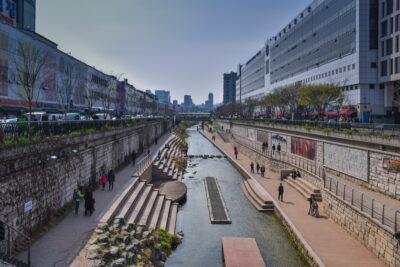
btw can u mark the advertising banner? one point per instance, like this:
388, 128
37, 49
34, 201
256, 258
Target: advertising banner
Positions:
303, 147
8, 12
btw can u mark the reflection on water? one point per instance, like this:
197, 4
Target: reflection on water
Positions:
202, 241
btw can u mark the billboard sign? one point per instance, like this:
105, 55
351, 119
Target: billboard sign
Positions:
303, 147
8, 11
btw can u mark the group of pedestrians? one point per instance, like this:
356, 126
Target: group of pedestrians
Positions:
260, 168
278, 148
107, 178
264, 147
87, 197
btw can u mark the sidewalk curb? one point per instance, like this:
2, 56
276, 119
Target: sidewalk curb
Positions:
312, 257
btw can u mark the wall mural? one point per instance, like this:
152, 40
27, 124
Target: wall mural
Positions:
391, 165
252, 134
303, 147
3, 63
277, 139
351, 161
262, 136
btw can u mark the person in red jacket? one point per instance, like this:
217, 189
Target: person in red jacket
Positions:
103, 180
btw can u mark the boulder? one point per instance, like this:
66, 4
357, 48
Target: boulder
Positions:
92, 255
96, 263
146, 234
102, 238
119, 263
114, 250
102, 226
93, 248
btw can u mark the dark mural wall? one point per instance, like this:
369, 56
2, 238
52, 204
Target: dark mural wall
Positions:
303, 147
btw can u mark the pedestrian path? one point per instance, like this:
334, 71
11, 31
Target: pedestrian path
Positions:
62, 243
330, 242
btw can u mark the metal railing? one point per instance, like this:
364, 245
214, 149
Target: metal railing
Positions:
373, 128
48, 128
369, 206
294, 160
143, 164
15, 241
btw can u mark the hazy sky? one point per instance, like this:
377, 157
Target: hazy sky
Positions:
183, 46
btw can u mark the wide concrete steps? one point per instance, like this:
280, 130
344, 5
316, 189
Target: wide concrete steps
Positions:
141, 204
165, 167
257, 195
305, 188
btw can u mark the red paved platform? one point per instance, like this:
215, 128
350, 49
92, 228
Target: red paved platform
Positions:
241, 252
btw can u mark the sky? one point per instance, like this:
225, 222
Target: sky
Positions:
183, 46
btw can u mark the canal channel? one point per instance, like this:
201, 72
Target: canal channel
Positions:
202, 240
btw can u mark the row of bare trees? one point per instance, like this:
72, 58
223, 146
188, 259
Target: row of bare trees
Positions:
30, 62
290, 100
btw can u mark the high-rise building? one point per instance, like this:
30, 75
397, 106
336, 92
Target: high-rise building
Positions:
354, 44
163, 96
19, 13
229, 87
187, 101
210, 102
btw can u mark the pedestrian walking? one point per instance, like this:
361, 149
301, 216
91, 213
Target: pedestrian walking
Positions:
155, 140
262, 170
133, 158
159, 155
278, 148
77, 198
235, 151
310, 200
263, 147
280, 192
252, 167
103, 180
111, 179
273, 148
266, 145
258, 167
89, 202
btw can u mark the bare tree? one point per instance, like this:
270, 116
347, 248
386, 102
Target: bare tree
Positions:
108, 95
29, 62
70, 78
89, 95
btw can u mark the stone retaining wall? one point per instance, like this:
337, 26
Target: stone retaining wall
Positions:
377, 239
30, 195
357, 161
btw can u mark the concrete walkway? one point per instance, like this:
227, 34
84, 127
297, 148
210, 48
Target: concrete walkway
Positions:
62, 243
329, 241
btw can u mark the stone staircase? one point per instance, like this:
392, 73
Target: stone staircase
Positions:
165, 168
257, 195
142, 204
305, 188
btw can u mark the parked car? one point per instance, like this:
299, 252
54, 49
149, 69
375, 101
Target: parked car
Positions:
56, 117
72, 117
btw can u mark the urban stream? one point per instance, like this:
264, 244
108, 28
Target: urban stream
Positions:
202, 241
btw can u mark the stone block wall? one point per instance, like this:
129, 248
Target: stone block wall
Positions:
379, 240
363, 164
49, 183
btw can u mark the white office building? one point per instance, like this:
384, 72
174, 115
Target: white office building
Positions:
351, 43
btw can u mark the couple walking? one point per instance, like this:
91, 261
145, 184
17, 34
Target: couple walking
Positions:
108, 178
89, 201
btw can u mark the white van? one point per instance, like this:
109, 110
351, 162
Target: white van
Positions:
72, 116
36, 116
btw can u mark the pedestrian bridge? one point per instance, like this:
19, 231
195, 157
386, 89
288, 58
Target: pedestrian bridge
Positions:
205, 116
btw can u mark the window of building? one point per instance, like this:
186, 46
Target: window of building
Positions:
397, 23
382, 48
384, 68
391, 66
340, 70
391, 25
373, 65
348, 67
397, 4
389, 46
389, 7
397, 44
384, 28
383, 9
354, 66
371, 86
396, 64
355, 87
381, 86
337, 71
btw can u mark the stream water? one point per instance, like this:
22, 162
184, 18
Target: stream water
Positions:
202, 240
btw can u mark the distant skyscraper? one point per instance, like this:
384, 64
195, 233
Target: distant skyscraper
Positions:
163, 96
229, 88
175, 102
187, 101
210, 102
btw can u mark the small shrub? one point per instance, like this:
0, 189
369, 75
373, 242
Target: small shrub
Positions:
327, 130
349, 131
386, 135
74, 133
365, 132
